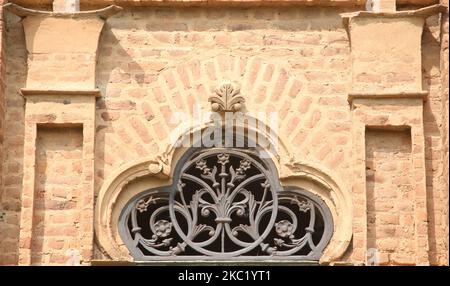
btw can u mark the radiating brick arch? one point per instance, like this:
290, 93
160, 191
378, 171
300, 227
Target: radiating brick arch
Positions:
265, 86
144, 124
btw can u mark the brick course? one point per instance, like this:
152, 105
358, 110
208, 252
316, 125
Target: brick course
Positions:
296, 61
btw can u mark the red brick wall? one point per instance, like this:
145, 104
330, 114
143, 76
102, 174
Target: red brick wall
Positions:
445, 104
2, 83
390, 196
144, 67
435, 131
57, 195
2, 107
13, 135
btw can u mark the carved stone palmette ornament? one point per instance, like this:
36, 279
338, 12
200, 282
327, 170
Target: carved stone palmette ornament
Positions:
227, 98
225, 204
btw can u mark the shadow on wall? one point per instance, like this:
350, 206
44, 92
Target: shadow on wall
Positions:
431, 77
109, 72
10, 196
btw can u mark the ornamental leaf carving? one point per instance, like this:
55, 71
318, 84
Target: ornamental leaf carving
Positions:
227, 98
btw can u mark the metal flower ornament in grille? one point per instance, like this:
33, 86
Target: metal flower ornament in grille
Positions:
163, 228
286, 243
284, 228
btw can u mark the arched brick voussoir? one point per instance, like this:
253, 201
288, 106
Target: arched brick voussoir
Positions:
147, 125
269, 89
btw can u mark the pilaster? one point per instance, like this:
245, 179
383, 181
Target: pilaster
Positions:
60, 94
387, 95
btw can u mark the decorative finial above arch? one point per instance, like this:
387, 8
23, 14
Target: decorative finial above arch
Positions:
227, 98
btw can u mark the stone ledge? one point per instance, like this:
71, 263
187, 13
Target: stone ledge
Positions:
216, 3
24, 12
199, 262
387, 95
80, 92
422, 12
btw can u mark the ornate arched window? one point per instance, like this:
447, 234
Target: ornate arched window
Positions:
225, 204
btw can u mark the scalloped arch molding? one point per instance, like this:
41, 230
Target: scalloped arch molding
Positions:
195, 81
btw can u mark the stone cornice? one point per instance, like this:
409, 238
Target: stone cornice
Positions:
422, 12
216, 3
24, 12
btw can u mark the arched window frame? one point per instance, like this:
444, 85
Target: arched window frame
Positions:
314, 255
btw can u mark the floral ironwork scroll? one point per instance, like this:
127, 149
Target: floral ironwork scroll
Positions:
225, 204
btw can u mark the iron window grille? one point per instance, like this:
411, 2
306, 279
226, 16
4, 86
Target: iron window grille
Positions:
225, 204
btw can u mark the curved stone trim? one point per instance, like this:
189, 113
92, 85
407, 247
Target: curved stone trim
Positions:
336, 195
281, 158
107, 198
24, 12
